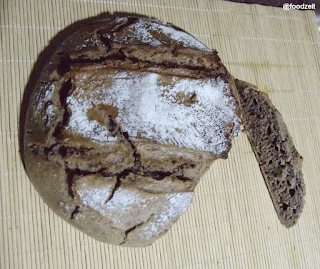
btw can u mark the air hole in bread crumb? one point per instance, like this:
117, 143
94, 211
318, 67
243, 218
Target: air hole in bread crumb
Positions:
292, 192
284, 206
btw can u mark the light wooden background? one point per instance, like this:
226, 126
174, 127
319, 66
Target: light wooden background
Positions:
232, 222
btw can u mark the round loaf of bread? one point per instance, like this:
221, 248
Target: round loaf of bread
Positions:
126, 117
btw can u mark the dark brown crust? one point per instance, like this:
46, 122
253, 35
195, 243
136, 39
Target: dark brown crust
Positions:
279, 161
56, 159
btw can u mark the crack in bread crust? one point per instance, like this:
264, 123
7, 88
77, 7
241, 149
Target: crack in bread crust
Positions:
55, 153
133, 228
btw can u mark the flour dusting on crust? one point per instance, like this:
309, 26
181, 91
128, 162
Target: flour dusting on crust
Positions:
119, 207
127, 202
152, 111
95, 197
142, 32
79, 121
44, 95
176, 205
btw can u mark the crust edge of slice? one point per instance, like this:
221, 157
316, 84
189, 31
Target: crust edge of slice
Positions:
279, 161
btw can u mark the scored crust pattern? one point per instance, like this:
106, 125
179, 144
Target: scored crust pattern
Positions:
93, 151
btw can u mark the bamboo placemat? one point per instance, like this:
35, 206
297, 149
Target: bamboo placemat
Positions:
232, 222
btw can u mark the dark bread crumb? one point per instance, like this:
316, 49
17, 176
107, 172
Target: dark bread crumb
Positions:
279, 161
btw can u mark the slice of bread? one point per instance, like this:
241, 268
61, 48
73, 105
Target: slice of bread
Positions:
279, 161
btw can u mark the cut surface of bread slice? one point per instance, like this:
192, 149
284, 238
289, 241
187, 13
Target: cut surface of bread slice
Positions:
279, 161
